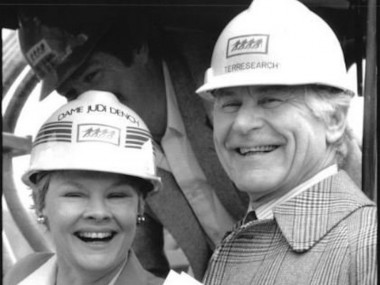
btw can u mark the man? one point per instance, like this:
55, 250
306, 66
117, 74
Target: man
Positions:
198, 203
279, 85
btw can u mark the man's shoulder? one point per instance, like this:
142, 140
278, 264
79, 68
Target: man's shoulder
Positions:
26, 266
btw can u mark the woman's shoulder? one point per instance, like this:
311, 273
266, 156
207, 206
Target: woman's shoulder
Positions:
25, 267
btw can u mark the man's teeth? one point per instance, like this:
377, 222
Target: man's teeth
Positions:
256, 149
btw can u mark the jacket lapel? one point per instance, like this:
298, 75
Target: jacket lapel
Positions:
172, 209
306, 218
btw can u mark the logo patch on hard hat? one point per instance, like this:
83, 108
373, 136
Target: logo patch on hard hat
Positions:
136, 137
38, 52
247, 44
98, 133
52, 46
54, 132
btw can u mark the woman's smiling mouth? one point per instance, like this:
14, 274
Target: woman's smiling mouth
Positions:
95, 236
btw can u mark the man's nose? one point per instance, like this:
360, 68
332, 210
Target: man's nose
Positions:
248, 118
71, 89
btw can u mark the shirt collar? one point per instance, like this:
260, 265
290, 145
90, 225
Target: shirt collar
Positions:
44, 275
265, 211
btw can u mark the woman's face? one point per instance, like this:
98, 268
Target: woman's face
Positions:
92, 219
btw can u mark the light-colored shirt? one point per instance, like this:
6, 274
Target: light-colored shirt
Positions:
179, 159
265, 211
47, 274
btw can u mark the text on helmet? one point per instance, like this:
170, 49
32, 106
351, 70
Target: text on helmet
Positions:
100, 108
251, 65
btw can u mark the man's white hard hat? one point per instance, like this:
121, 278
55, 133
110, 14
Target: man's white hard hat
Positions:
276, 42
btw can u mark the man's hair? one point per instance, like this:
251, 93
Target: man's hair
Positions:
129, 33
326, 102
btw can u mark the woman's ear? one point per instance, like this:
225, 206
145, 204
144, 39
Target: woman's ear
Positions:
141, 205
335, 127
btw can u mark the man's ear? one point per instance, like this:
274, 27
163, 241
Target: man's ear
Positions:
142, 55
335, 126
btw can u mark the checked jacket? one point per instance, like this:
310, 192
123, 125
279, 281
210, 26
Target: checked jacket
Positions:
325, 235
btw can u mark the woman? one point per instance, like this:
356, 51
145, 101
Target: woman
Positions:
92, 165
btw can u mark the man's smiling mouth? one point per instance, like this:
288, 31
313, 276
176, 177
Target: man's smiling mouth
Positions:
256, 150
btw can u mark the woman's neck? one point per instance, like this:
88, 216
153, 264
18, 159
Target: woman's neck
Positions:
77, 276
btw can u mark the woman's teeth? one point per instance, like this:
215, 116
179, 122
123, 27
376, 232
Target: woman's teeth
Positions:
256, 149
95, 236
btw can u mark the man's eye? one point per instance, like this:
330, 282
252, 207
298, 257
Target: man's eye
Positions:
91, 76
228, 105
271, 102
118, 195
231, 104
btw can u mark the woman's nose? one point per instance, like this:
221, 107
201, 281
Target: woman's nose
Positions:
97, 209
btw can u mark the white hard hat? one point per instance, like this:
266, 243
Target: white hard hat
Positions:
94, 132
276, 42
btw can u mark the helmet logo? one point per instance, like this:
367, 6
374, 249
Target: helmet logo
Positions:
54, 132
136, 137
98, 133
247, 44
48, 47
38, 52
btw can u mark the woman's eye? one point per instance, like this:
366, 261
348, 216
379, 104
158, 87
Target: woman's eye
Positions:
73, 195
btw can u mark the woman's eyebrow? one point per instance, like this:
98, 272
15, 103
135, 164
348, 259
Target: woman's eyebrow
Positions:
224, 93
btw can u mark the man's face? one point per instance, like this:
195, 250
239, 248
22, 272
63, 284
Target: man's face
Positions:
267, 139
136, 86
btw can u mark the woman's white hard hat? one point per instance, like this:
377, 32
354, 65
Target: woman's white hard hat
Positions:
95, 132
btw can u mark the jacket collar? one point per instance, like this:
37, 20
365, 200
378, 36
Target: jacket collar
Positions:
308, 217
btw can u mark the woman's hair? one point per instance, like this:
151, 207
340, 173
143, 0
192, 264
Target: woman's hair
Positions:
42, 182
